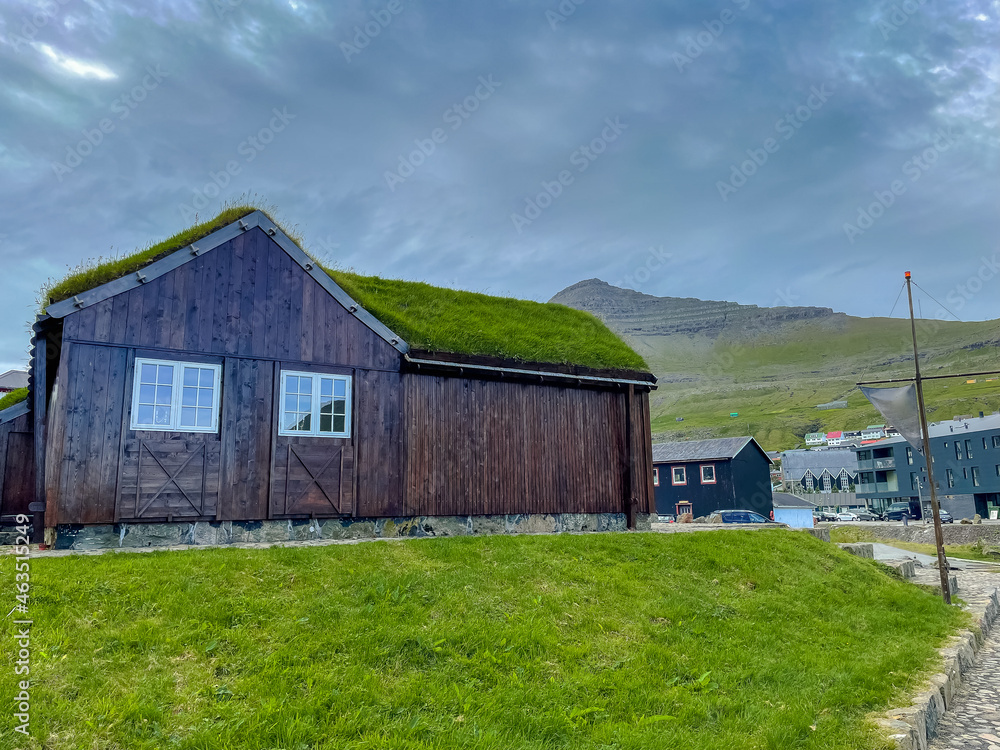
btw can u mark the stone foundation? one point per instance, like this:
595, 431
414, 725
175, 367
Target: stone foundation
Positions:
132, 535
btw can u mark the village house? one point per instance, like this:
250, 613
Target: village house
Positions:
702, 476
225, 387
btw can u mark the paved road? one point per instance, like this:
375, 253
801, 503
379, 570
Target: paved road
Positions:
888, 552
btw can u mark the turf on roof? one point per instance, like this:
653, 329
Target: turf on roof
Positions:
15, 396
92, 274
425, 316
447, 320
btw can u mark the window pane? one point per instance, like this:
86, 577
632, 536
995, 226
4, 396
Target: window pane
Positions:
289, 420
161, 415
305, 403
338, 424
190, 376
305, 424
291, 384
340, 407
165, 374
305, 384
326, 387
340, 388
325, 423
163, 393
145, 415
326, 407
204, 417
189, 396
291, 402
148, 374
187, 416
205, 397
147, 394
207, 379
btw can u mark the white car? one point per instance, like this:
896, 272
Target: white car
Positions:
847, 516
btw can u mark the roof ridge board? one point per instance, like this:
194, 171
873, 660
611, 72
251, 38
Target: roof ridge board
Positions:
14, 411
157, 268
324, 279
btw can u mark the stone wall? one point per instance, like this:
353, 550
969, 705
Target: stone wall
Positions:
134, 535
954, 533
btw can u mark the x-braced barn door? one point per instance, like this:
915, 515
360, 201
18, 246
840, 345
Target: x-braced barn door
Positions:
171, 479
313, 479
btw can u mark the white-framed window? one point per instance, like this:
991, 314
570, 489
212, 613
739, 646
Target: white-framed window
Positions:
678, 475
656, 477
708, 473
315, 404
175, 396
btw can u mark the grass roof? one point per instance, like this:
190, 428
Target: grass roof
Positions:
448, 320
425, 316
15, 396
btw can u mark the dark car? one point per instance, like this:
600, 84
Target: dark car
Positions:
896, 511
737, 516
867, 515
946, 517
824, 515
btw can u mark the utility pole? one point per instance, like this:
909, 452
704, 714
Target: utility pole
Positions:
938, 534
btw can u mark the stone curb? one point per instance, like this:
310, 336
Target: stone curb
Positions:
911, 727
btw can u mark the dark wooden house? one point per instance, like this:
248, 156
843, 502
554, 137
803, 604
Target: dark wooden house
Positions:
17, 463
702, 476
234, 380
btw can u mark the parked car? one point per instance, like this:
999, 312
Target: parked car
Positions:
847, 516
737, 516
824, 515
946, 517
868, 515
668, 518
896, 511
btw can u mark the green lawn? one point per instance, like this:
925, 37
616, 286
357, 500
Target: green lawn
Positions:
765, 639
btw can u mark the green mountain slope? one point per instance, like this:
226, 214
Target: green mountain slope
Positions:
773, 366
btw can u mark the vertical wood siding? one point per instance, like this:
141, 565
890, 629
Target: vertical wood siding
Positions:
486, 447
246, 298
17, 466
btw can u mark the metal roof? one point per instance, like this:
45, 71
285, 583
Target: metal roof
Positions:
786, 500
703, 450
14, 379
795, 464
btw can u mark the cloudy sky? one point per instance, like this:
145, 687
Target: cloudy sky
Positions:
761, 151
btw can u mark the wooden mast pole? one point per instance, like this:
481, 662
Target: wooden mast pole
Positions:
935, 510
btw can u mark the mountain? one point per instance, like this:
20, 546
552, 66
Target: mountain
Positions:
774, 365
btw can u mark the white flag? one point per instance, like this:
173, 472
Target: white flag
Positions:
899, 407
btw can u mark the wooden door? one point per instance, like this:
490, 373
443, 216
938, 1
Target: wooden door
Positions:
174, 479
312, 477
19, 474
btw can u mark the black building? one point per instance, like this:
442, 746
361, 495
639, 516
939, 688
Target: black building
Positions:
966, 456
702, 476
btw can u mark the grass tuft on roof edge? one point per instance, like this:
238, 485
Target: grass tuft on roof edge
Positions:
13, 397
94, 272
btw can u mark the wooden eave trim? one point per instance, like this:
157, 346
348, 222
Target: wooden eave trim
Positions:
17, 410
210, 242
541, 374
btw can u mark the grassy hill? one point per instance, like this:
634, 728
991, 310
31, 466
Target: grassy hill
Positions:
773, 366
719, 640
